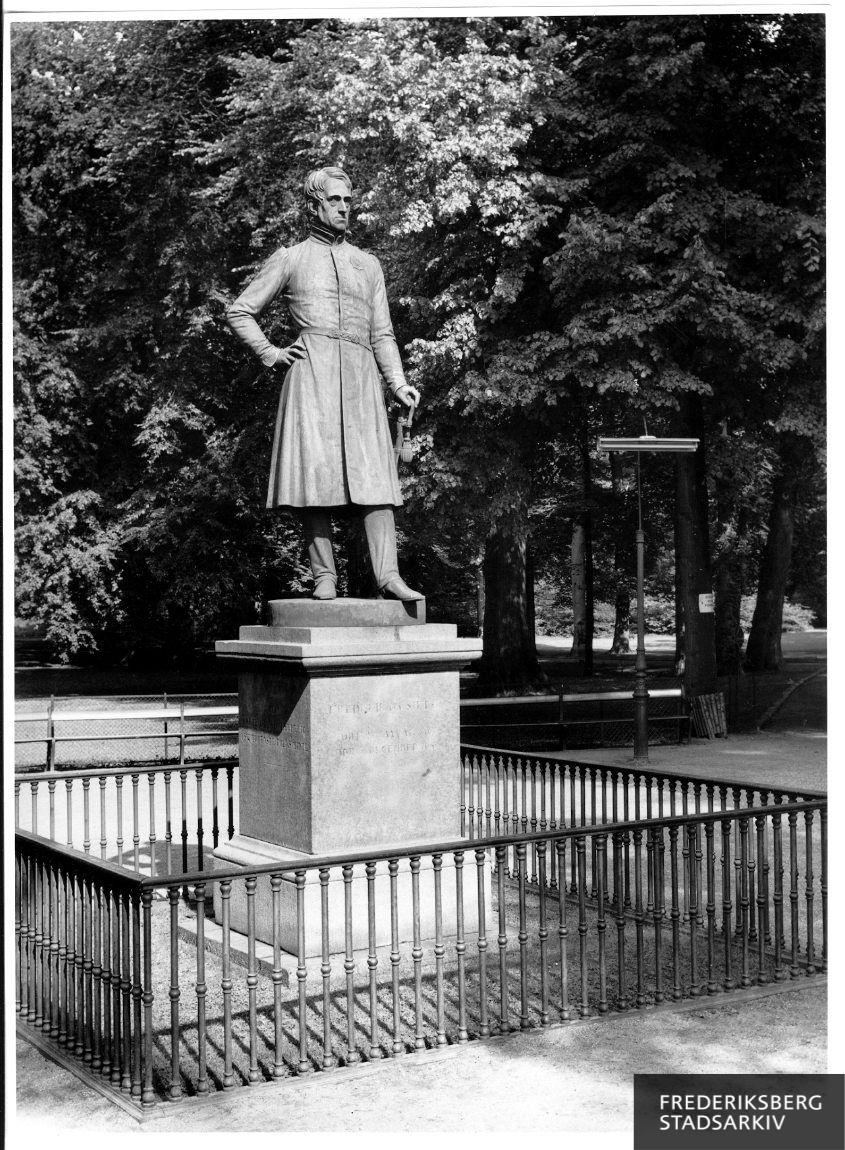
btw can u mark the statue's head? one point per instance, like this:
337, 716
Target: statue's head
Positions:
328, 197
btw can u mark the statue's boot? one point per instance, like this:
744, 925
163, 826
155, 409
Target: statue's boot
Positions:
398, 589
380, 527
318, 539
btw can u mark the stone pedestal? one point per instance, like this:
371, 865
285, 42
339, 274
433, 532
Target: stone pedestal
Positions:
349, 741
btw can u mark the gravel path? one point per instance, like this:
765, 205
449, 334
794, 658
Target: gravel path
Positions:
566, 1079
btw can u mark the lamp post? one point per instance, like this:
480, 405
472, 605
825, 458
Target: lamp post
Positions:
639, 445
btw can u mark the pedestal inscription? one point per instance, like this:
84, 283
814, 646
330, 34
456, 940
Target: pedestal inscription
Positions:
331, 764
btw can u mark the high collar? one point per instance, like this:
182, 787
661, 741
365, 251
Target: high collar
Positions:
324, 235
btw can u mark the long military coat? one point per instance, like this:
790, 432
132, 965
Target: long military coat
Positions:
332, 444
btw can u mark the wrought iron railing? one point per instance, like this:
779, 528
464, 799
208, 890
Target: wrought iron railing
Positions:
151, 818
505, 791
523, 930
160, 819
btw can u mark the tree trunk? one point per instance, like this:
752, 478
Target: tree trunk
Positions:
693, 576
727, 626
579, 592
729, 583
479, 595
764, 651
510, 652
680, 632
530, 606
623, 561
583, 624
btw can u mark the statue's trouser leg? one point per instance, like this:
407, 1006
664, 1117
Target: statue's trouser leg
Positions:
318, 539
380, 527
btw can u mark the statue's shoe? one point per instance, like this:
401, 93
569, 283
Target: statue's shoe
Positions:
324, 589
398, 589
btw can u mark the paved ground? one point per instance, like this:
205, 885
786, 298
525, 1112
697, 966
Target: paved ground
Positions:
573, 1079
792, 750
577, 1079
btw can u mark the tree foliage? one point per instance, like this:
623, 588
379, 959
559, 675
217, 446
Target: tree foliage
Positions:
579, 219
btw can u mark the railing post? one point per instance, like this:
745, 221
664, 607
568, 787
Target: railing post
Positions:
504, 1020
226, 974
175, 1088
620, 860
727, 906
522, 937
181, 735
251, 883
762, 910
460, 946
136, 1089
581, 851
372, 959
638, 913
809, 877
480, 864
792, 817
709, 833
147, 1094
108, 1033
542, 936
601, 920
692, 879
744, 978
116, 1045
126, 993
565, 1013
19, 898
201, 990
51, 735
325, 972
395, 956
352, 1053
96, 975
676, 913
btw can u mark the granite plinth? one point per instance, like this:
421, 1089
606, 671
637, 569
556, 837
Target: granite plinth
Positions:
248, 852
348, 763
381, 636
345, 612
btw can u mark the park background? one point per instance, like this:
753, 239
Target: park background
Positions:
116, 644
589, 225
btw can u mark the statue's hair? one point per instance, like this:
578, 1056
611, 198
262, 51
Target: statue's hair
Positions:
315, 182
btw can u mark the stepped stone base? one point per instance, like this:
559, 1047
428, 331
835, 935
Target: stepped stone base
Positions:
247, 852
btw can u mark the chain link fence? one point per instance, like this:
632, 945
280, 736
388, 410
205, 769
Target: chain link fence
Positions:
112, 730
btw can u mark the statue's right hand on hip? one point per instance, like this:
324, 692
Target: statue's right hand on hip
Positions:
289, 355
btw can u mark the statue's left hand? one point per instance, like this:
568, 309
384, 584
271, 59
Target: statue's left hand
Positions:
408, 395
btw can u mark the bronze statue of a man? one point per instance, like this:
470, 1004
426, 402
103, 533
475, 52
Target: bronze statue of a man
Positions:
332, 447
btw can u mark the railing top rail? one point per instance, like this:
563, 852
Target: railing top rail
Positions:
33, 777
575, 697
77, 860
648, 772
417, 850
161, 714
171, 712
426, 849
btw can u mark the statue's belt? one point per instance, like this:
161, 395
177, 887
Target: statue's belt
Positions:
337, 333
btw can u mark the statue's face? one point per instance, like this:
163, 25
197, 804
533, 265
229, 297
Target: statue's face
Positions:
334, 207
